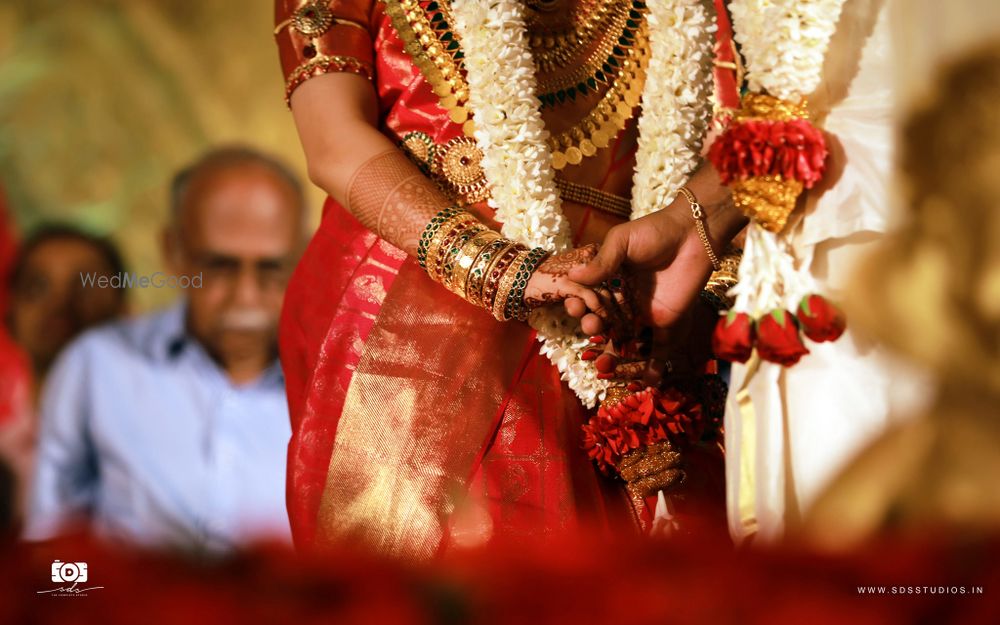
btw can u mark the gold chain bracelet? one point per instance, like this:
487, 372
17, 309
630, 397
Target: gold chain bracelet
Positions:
699, 223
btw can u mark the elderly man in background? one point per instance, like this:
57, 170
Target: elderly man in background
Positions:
171, 429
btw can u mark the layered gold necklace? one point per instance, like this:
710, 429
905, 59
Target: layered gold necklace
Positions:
576, 61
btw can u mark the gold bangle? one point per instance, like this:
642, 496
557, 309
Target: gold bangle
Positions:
516, 306
430, 230
448, 232
716, 291
444, 248
699, 216
480, 269
454, 251
437, 234
466, 258
506, 285
498, 269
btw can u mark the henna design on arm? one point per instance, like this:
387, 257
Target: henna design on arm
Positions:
390, 196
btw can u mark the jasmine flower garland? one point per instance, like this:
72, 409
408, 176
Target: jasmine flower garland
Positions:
676, 102
517, 162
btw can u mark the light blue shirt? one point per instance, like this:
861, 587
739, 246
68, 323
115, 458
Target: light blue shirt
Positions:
143, 433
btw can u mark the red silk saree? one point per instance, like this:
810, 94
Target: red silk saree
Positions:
421, 423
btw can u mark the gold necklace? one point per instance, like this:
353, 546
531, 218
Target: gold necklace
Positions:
599, 64
609, 117
435, 50
552, 51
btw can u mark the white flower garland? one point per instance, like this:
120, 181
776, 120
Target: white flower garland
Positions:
508, 125
676, 103
768, 279
784, 42
517, 162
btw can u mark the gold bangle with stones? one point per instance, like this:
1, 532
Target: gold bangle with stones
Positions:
448, 231
466, 258
515, 305
455, 247
436, 229
452, 253
698, 213
430, 230
496, 273
500, 309
477, 273
436, 268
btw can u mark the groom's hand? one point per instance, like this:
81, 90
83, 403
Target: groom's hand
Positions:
666, 260
664, 254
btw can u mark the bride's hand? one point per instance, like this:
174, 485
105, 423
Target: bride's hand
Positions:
549, 284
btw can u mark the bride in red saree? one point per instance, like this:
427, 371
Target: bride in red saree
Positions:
420, 422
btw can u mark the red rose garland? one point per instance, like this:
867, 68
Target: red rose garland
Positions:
777, 336
733, 339
778, 339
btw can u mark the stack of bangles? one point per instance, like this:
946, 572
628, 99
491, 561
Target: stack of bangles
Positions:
478, 264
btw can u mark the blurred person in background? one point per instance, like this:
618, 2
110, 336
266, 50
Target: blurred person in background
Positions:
48, 307
49, 302
171, 428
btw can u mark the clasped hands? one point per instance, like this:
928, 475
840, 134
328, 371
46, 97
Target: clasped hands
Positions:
637, 295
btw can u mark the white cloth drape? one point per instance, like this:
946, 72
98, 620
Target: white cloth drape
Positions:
809, 420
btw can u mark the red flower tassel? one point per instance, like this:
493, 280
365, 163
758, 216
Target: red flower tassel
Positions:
821, 320
778, 338
733, 337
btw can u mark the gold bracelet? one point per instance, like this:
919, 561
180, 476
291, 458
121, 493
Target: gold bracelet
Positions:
430, 230
497, 272
480, 269
452, 252
457, 271
516, 306
442, 242
435, 232
500, 308
699, 216
716, 291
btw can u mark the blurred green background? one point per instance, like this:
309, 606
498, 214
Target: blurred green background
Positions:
102, 100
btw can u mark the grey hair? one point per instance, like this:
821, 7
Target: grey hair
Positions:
229, 156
